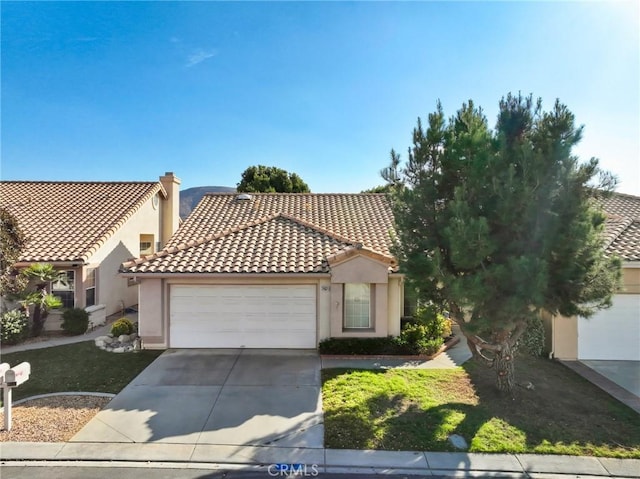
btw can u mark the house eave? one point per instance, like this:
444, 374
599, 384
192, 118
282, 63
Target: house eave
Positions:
223, 275
71, 263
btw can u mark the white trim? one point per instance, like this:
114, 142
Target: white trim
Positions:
631, 264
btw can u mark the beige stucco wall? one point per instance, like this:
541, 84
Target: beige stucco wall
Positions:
170, 207
564, 337
112, 289
630, 280
395, 305
324, 309
359, 269
151, 316
564, 331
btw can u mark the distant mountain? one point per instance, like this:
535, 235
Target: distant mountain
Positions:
190, 197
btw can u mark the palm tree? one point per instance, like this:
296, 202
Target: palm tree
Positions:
40, 275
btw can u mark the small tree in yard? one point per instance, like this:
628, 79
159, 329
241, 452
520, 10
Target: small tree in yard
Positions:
500, 224
12, 243
40, 275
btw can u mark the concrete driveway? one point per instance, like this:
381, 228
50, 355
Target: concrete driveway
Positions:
234, 397
625, 374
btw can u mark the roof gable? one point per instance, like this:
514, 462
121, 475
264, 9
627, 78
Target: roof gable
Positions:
276, 244
274, 233
69, 221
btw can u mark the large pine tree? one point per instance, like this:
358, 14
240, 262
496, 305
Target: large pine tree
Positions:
497, 225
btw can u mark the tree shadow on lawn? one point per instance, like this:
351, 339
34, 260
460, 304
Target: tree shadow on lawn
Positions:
562, 414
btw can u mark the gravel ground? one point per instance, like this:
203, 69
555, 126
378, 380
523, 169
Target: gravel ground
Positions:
52, 419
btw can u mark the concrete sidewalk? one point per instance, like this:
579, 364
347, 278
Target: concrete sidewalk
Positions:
324, 460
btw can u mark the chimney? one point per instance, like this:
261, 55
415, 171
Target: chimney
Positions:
170, 215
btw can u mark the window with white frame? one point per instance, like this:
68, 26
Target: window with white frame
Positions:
357, 306
64, 288
90, 287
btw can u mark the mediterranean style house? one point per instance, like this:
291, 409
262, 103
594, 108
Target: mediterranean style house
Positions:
87, 229
272, 270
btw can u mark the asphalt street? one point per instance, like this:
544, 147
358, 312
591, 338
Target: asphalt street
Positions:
81, 472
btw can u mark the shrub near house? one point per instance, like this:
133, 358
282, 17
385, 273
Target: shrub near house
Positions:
14, 326
75, 321
425, 335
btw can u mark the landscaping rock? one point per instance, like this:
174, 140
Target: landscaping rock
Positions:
125, 343
458, 442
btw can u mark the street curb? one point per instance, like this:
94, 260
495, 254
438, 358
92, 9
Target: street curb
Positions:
324, 460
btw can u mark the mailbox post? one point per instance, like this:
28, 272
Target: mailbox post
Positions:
11, 378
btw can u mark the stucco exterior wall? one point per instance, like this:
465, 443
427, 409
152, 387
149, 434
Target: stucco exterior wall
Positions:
565, 337
359, 269
151, 314
112, 289
395, 305
324, 309
631, 280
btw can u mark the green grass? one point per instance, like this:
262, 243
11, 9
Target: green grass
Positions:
418, 409
78, 367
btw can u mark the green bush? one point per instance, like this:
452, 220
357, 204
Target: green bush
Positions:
75, 321
122, 326
436, 324
14, 326
418, 339
532, 341
414, 339
354, 346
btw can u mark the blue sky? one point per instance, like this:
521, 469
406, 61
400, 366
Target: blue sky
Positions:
129, 90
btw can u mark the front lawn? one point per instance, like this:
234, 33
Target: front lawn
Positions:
78, 367
404, 409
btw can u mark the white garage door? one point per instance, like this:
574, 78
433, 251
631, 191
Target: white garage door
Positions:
207, 316
614, 333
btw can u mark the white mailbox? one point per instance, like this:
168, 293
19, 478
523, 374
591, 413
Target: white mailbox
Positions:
17, 375
3, 368
9, 379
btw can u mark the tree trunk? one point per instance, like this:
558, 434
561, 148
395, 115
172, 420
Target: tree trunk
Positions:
503, 365
38, 321
38, 314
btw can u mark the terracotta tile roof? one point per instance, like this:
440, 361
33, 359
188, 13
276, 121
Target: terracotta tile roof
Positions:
69, 221
274, 233
622, 226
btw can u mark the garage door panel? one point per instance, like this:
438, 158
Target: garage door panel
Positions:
614, 333
243, 316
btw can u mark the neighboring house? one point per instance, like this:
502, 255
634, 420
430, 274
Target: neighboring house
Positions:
87, 229
614, 333
272, 270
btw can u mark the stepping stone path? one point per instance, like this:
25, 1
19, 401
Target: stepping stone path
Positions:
122, 344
